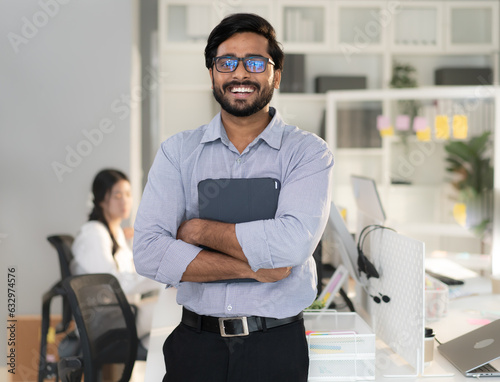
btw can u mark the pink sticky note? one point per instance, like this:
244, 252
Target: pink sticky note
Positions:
383, 122
478, 321
419, 123
403, 122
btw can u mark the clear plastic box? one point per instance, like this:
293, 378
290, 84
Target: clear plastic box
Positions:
341, 346
436, 299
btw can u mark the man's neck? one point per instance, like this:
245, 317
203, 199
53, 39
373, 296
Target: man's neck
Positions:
241, 131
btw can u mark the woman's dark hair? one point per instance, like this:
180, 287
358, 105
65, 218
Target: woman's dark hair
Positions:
239, 23
102, 185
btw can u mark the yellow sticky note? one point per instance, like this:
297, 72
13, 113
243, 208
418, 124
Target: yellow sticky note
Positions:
424, 135
442, 127
343, 213
460, 126
460, 213
389, 131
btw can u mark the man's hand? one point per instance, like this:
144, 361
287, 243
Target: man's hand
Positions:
272, 275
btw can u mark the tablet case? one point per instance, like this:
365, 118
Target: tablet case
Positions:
238, 201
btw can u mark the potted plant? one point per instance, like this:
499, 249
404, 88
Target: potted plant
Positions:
405, 76
470, 164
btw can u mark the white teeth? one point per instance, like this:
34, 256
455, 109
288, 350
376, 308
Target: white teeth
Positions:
241, 90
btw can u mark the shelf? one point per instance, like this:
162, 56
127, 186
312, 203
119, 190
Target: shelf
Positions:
362, 26
360, 152
482, 31
304, 27
307, 97
185, 25
408, 33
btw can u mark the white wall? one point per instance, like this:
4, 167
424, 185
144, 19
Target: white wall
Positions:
69, 75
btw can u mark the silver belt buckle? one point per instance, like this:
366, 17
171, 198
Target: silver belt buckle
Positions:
244, 323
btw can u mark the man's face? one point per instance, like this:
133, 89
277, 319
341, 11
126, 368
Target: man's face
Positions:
241, 93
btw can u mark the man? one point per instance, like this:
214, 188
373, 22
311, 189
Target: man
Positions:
247, 139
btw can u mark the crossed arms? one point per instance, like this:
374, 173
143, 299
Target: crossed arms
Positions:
228, 262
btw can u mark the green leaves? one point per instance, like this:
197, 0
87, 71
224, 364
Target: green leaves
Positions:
467, 160
470, 164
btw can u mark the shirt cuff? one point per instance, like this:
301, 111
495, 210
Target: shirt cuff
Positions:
175, 261
253, 241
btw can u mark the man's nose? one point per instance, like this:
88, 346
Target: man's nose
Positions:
240, 71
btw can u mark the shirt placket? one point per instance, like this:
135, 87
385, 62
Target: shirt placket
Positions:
238, 166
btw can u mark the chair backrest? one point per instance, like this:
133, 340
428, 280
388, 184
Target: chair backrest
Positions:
105, 322
62, 244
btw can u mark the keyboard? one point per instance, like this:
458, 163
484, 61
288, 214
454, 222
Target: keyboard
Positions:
485, 369
445, 279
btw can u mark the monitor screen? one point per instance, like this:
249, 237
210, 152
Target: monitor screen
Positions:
367, 198
339, 242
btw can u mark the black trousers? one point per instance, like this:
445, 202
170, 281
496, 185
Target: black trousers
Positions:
274, 355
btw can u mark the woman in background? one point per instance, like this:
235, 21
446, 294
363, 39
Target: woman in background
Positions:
101, 245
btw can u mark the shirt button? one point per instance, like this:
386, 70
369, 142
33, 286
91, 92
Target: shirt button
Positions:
238, 160
229, 307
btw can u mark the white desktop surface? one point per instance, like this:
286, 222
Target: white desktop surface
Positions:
464, 315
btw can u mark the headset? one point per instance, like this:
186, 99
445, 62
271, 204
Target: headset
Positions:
366, 266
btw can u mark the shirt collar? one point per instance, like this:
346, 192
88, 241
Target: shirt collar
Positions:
272, 134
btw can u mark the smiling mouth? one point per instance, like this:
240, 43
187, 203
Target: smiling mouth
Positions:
241, 89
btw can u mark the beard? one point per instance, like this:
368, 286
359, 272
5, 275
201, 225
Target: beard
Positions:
239, 107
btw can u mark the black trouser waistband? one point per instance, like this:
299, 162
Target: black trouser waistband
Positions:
234, 326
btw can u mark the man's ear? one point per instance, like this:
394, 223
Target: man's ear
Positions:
277, 78
210, 71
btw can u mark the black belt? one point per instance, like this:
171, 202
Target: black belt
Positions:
234, 326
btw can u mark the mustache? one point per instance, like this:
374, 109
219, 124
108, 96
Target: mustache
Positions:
243, 83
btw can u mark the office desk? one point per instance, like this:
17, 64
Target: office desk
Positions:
463, 316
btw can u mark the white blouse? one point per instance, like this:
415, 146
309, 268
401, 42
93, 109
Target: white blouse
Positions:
92, 251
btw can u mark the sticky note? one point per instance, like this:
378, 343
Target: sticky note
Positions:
383, 122
424, 135
460, 213
402, 122
387, 132
442, 127
420, 123
343, 213
460, 126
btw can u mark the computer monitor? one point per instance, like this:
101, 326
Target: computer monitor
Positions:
339, 243
367, 200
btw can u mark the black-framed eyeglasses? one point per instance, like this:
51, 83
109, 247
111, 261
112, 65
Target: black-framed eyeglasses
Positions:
252, 64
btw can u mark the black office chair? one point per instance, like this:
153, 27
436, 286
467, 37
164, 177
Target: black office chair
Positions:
62, 244
106, 325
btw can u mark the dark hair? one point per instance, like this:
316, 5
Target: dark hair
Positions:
239, 23
102, 185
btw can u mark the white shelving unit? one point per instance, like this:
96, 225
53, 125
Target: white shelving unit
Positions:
419, 208
347, 37
337, 38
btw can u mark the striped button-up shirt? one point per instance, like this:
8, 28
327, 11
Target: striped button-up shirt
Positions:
302, 163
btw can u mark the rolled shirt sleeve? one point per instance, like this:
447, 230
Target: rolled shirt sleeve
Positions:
157, 252
304, 202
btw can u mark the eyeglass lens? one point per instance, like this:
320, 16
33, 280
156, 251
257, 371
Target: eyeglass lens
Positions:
252, 64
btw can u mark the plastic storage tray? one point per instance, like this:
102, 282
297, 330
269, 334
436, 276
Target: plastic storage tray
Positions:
341, 346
